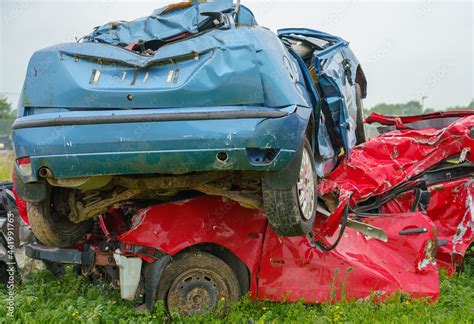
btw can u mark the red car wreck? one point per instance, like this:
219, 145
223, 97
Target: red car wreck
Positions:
392, 211
422, 163
211, 248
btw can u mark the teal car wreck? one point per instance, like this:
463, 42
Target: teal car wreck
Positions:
195, 98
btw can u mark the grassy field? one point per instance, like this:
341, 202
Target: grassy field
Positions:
71, 299
6, 165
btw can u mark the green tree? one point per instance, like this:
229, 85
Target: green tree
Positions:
7, 116
5, 108
409, 108
468, 107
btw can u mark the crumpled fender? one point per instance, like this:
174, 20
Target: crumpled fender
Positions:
451, 209
387, 161
393, 159
358, 268
400, 121
290, 267
175, 226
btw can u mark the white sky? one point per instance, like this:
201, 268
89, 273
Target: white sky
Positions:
408, 49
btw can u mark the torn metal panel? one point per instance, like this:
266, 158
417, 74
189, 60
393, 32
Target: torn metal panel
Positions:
334, 72
292, 268
357, 267
407, 169
421, 121
451, 210
389, 160
163, 23
368, 230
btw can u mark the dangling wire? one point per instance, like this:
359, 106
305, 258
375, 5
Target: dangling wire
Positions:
322, 246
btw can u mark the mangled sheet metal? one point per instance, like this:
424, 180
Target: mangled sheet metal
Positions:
294, 268
422, 163
166, 22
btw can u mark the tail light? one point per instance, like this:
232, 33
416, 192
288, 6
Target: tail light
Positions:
24, 165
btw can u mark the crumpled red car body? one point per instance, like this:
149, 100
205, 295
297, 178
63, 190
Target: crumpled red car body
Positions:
415, 145
290, 268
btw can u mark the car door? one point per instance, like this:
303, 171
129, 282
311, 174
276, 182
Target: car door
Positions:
332, 70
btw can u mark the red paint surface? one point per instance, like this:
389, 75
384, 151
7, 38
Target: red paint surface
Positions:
393, 159
386, 161
357, 268
172, 227
20, 205
399, 121
290, 267
450, 208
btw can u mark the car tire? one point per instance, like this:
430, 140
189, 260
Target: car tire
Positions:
4, 275
49, 220
291, 212
360, 130
196, 282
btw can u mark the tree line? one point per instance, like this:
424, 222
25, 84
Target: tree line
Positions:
410, 108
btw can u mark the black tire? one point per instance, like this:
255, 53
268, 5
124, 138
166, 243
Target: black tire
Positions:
4, 276
49, 220
284, 211
360, 130
5, 199
195, 282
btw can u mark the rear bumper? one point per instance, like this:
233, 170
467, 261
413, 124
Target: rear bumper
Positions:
159, 141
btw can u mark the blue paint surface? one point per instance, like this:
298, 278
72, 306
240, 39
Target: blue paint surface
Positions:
236, 66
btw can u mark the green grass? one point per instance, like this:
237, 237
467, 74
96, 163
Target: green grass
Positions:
6, 166
45, 299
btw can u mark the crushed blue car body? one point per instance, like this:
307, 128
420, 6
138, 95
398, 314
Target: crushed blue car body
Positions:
164, 94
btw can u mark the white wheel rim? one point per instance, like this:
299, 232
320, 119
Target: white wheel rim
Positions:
306, 187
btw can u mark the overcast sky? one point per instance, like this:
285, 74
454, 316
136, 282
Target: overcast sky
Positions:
408, 49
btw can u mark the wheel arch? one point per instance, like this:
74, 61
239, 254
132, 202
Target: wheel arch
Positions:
311, 132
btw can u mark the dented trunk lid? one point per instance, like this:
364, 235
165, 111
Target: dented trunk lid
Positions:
201, 71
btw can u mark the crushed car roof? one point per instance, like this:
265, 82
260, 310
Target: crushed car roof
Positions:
165, 23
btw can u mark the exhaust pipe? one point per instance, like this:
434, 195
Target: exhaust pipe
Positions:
45, 172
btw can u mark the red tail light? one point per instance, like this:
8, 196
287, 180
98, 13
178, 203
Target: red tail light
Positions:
24, 165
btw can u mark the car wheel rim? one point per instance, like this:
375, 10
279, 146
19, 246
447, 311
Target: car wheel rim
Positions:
196, 292
306, 187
